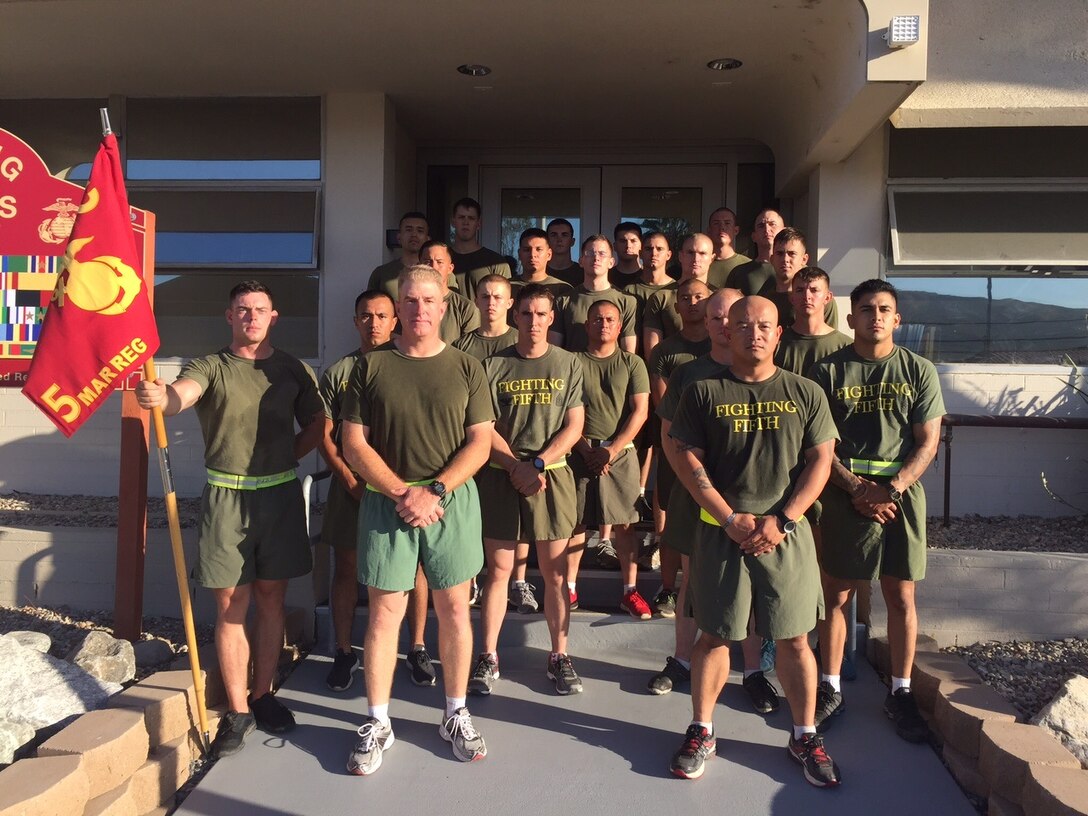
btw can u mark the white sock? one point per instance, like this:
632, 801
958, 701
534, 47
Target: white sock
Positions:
642, 492
570, 585
800, 730
685, 663
900, 682
628, 588
519, 583
749, 672
379, 713
454, 703
834, 679
709, 726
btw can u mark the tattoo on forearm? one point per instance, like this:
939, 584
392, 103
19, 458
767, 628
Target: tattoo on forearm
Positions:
701, 480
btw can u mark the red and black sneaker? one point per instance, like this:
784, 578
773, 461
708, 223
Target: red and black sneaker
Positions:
687, 763
820, 769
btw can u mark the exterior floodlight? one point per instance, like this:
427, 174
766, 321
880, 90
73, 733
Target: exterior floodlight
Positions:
903, 30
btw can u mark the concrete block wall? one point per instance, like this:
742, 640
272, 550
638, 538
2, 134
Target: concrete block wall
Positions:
125, 760
1020, 769
970, 596
76, 566
995, 472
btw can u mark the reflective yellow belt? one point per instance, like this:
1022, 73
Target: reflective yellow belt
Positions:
410, 484
709, 519
562, 463
216, 478
607, 443
872, 467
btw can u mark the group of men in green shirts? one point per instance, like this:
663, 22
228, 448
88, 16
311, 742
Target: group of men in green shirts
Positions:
441, 438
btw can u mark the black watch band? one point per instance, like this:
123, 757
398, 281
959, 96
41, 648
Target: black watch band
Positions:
787, 524
438, 488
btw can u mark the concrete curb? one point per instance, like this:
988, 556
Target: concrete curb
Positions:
1019, 768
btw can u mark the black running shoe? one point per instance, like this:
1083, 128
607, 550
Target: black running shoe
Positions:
419, 664
762, 692
484, 674
820, 769
829, 703
669, 677
664, 603
903, 711
230, 736
688, 762
271, 715
561, 670
343, 669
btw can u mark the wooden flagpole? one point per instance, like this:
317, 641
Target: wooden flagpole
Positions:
174, 522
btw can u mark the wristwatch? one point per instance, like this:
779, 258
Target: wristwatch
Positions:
538, 463
438, 488
894, 494
787, 524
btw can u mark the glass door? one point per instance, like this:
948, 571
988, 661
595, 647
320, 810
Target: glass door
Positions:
676, 200
517, 198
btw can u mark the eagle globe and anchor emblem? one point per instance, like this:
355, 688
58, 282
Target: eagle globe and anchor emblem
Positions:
106, 284
56, 230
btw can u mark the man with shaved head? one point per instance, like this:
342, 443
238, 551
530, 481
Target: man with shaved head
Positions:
661, 319
751, 277
722, 229
754, 450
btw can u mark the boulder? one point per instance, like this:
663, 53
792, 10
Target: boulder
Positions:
13, 736
104, 657
40, 690
38, 641
153, 652
1066, 717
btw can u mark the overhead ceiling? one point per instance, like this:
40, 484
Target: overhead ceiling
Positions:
563, 71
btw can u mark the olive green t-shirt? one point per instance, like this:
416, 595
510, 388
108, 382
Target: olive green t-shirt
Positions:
754, 435
248, 410
798, 352
460, 318
384, 278
417, 408
609, 384
471, 268
642, 292
334, 382
718, 276
750, 277
701, 368
573, 275
673, 352
661, 314
531, 397
480, 347
875, 402
571, 311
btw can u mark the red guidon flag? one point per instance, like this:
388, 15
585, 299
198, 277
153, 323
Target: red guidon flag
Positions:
99, 327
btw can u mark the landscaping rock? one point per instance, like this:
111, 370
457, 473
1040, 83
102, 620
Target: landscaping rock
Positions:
1066, 717
152, 652
105, 657
38, 641
40, 690
13, 736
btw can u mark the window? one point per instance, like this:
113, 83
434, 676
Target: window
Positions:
991, 271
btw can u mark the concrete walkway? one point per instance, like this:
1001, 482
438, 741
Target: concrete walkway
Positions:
605, 751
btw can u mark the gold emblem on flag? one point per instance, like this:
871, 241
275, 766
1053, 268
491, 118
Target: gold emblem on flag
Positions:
56, 230
105, 284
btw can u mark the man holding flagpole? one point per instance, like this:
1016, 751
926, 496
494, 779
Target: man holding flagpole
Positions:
248, 397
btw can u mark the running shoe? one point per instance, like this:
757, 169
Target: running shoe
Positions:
343, 669
635, 605
664, 602
606, 556
374, 739
762, 692
669, 677
561, 670
573, 599
461, 734
230, 736
271, 715
420, 666
484, 674
522, 598
829, 704
688, 762
903, 711
820, 770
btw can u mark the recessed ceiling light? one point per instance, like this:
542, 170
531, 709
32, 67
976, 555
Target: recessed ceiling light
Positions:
724, 64
474, 70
